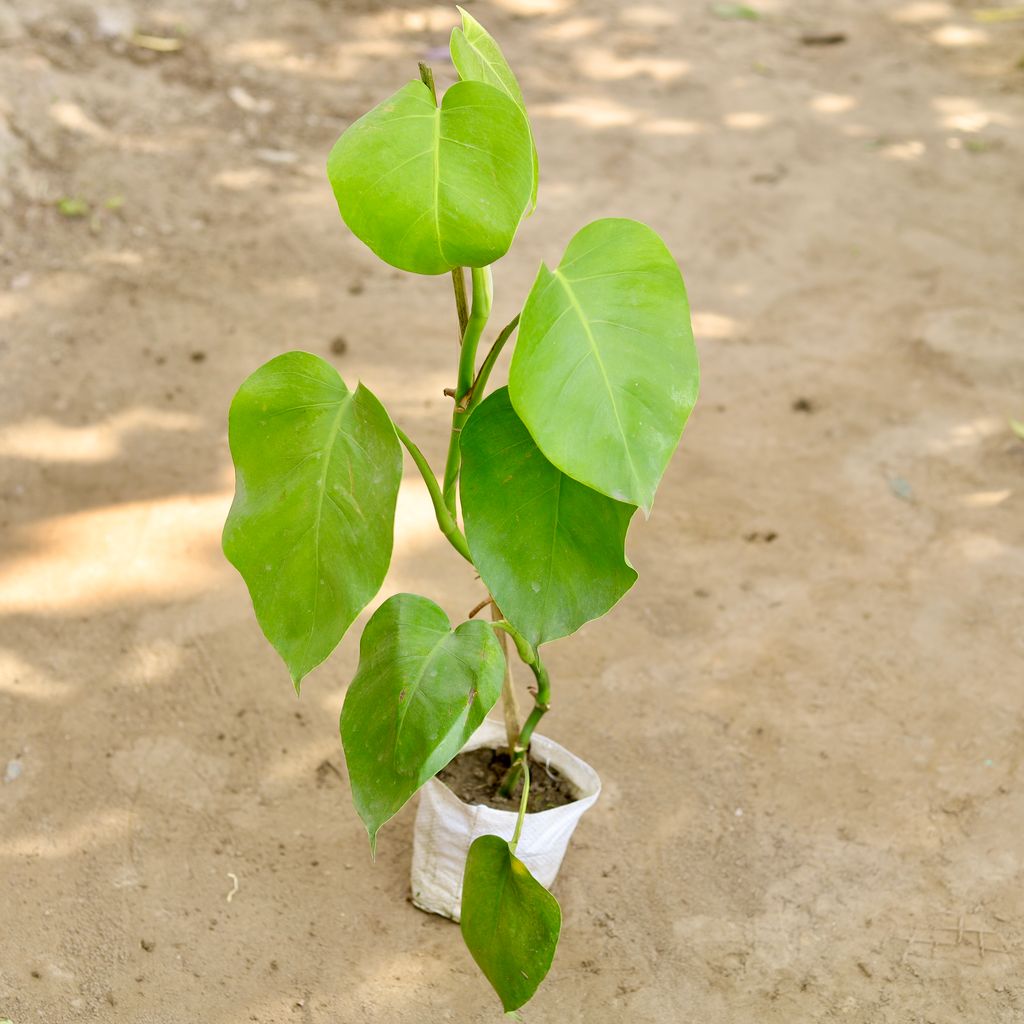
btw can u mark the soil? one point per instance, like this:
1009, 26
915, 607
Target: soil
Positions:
808, 714
476, 776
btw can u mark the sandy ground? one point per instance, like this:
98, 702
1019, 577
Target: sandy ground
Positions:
809, 715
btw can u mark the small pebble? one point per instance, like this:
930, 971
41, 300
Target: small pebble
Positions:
14, 769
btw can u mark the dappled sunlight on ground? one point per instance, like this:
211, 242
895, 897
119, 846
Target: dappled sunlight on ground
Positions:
109, 827
825, 635
130, 551
46, 440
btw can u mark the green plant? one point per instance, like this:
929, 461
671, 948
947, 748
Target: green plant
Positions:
549, 470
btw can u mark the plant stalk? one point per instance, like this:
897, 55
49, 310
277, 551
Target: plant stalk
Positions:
509, 701
445, 520
480, 311
542, 702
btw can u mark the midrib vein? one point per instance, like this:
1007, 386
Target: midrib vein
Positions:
321, 491
585, 323
437, 183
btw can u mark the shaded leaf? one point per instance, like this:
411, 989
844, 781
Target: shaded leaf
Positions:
549, 549
317, 470
419, 693
604, 373
478, 58
510, 922
429, 189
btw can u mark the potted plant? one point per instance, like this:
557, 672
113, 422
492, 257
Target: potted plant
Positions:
547, 473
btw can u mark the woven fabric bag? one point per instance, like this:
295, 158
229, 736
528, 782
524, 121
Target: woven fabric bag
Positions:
445, 826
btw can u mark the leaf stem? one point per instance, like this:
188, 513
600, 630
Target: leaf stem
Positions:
476, 392
445, 520
523, 800
480, 311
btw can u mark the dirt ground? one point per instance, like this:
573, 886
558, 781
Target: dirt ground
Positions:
808, 715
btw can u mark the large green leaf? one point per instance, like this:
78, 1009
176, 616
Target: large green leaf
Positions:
478, 58
510, 922
419, 693
429, 189
317, 470
604, 373
549, 549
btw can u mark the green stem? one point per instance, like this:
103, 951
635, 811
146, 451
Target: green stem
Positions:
542, 702
445, 520
476, 392
523, 800
480, 311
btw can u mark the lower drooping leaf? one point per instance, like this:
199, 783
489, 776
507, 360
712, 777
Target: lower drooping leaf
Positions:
421, 690
549, 549
317, 471
604, 373
510, 922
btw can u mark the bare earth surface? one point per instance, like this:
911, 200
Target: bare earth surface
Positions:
809, 715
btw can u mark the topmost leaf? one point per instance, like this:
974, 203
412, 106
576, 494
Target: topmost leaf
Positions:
429, 189
478, 58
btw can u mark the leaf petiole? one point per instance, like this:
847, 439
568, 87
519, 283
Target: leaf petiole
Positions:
523, 800
445, 520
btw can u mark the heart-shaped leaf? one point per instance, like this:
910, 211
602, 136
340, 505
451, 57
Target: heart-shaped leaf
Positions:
478, 58
605, 373
419, 693
429, 189
317, 470
549, 549
510, 922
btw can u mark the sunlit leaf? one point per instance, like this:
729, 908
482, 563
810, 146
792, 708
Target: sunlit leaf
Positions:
549, 549
478, 58
421, 690
605, 373
510, 922
317, 469
429, 189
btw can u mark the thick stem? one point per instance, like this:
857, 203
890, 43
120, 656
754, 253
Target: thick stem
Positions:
542, 702
445, 520
478, 315
509, 701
